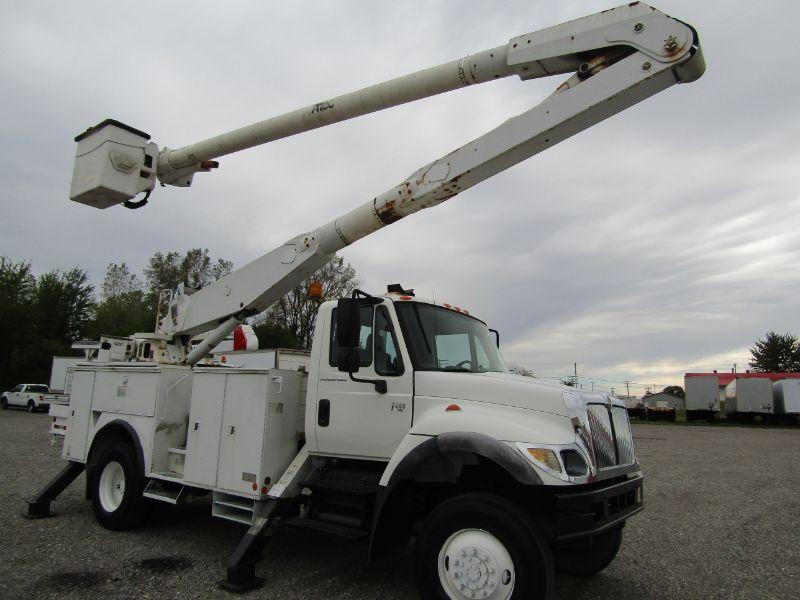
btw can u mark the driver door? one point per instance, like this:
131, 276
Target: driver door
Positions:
353, 419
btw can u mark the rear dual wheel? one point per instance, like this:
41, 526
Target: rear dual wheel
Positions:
117, 488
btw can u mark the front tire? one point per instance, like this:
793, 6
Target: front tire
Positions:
117, 488
3, 403
476, 543
592, 559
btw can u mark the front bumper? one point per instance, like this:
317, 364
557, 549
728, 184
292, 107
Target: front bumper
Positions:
592, 510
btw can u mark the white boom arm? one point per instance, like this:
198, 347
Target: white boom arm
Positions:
618, 58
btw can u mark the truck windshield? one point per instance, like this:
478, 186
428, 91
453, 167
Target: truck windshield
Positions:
443, 340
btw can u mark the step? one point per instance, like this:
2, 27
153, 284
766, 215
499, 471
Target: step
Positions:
168, 476
156, 492
177, 451
329, 528
340, 482
232, 508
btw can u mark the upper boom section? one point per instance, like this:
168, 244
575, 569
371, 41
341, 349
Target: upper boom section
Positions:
114, 173
617, 58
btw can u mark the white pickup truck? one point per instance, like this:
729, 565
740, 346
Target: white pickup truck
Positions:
33, 396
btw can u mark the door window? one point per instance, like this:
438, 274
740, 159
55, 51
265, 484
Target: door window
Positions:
364, 337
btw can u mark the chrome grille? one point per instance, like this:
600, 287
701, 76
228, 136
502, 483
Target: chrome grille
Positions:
612, 440
622, 428
602, 437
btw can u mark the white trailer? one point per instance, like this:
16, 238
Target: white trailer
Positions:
702, 397
412, 422
749, 396
786, 395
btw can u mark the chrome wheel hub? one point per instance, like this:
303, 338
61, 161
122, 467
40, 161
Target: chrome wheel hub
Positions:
475, 564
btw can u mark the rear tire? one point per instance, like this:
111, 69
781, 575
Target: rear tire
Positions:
3, 403
117, 486
477, 543
589, 561
31, 406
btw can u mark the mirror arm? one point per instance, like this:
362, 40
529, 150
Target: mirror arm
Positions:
380, 384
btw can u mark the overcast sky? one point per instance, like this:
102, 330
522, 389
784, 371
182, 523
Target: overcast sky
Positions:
662, 241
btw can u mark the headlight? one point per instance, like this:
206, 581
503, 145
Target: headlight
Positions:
564, 462
574, 463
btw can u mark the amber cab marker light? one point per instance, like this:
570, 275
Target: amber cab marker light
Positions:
315, 290
452, 408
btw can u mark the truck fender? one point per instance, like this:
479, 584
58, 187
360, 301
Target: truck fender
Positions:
428, 462
119, 430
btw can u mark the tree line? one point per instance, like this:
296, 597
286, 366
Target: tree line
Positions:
40, 316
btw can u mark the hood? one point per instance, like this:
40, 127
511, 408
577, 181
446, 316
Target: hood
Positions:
506, 389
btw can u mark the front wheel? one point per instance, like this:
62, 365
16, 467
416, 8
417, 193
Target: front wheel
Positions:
482, 546
593, 558
3, 403
117, 488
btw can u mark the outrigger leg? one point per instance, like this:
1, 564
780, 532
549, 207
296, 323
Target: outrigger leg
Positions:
241, 573
39, 505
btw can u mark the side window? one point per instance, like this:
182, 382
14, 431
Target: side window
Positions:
387, 358
17, 389
364, 338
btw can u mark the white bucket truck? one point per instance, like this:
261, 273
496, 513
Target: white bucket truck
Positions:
411, 427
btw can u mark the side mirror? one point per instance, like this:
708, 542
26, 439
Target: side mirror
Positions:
348, 328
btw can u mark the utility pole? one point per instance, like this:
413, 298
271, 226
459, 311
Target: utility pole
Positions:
612, 391
628, 388
593, 386
575, 376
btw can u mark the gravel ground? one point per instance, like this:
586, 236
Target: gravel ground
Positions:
722, 521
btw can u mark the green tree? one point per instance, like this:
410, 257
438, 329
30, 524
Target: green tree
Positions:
17, 286
776, 353
123, 309
675, 390
195, 269
296, 313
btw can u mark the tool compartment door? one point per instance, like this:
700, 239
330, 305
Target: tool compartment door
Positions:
205, 421
80, 404
242, 435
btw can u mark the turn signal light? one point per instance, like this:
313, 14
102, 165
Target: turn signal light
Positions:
547, 457
452, 408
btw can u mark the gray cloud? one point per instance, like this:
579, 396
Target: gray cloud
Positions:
661, 241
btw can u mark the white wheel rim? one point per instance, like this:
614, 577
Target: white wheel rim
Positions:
112, 486
475, 564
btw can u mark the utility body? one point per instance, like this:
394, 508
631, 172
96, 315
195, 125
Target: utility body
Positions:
406, 425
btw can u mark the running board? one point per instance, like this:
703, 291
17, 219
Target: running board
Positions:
329, 528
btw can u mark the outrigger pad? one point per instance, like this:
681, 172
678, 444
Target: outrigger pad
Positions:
241, 579
38, 510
